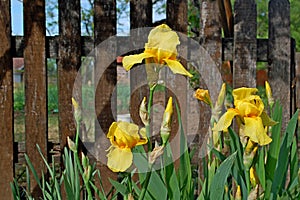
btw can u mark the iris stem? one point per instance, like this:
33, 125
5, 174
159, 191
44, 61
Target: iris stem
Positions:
146, 183
150, 102
148, 175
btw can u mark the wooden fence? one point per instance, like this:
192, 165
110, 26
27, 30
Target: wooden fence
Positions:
240, 46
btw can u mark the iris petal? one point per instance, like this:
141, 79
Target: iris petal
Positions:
254, 129
119, 160
226, 120
129, 61
177, 67
242, 93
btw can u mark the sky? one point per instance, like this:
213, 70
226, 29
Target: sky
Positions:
17, 19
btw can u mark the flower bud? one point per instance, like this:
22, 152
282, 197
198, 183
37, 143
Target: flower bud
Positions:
87, 173
84, 160
238, 194
71, 145
253, 177
77, 111
203, 95
269, 94
165, 129
143, 112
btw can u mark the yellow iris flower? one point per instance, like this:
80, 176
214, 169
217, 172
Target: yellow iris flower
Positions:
123, 137
160, 49
203, 95
250, 110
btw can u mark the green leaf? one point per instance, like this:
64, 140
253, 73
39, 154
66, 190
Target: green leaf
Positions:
294, 165
170, 174
36, 177
184, 171
119, 187
260, 166
156, 185
219, 180
218, 154
283, 158
273, 152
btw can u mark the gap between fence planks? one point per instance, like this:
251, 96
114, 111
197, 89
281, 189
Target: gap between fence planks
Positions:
6, 102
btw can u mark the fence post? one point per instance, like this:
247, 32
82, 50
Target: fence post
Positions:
140, 16
6, 102
279, 47
104, 27
69, 61
35, 86
245, 44
177, 13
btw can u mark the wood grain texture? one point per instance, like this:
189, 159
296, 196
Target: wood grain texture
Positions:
35, 86
140, 17
105, 80
245, 45
69, 54
6, 102
177, 12
280, 55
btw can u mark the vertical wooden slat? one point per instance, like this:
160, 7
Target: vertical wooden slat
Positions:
104, 27
211, 40
69, 61
279, 55
245, 45
6, 102
177, 20
140, 16
35, 85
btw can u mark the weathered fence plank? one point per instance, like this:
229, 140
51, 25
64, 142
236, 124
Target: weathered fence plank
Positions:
6, 102
177, 12
245, 45
141, 16
35, 85
280, 55
105, 79
211, 40
69, 61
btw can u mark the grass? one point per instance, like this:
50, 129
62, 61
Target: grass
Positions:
123, 96
19, 115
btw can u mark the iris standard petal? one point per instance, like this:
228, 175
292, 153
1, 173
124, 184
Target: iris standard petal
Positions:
242, 93
226, 120
119, 160
129, 61
177, 67
162, 37
248, 109
126, 134
254, 129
